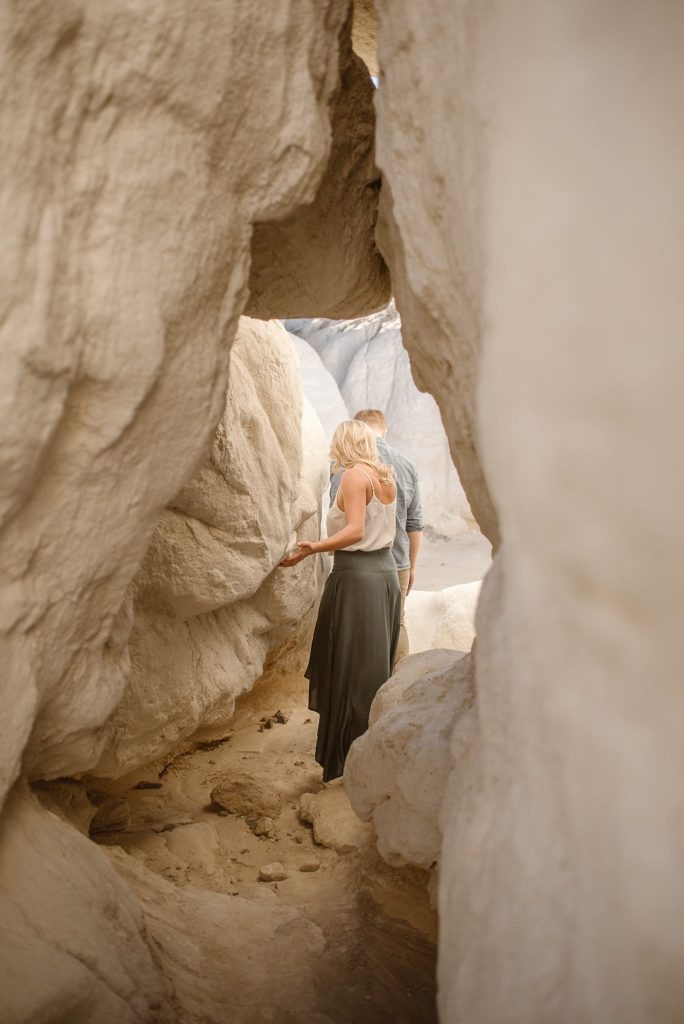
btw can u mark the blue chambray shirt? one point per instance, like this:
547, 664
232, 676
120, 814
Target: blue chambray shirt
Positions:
409, 511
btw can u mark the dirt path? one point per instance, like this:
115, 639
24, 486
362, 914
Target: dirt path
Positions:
373, 954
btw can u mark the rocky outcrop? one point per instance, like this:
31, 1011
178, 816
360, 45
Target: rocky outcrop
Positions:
442, 619
73, 941
371, 367
322, 260
131, 186
396, 773
430, 226
560, 892
204, 939
209, 601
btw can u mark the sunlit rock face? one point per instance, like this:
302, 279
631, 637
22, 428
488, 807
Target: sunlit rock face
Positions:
130, 190
560, 891
371, 367
396, 773
209, 601
442, 618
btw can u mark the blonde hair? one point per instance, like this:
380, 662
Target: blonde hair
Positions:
353, 443
373, 417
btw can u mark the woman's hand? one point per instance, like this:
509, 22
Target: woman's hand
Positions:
304, 548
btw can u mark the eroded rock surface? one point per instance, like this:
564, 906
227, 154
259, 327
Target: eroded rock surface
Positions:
396, 773
131, 186
209, 600
323, 260
371, 367
74, 946
532, 250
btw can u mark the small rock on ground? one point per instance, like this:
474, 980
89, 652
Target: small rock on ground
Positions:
274, 872
241, 793
310, 865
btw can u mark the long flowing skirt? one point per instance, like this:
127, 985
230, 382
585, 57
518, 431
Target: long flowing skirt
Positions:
353, 649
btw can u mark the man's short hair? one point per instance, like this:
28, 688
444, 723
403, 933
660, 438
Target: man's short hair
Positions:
373, 417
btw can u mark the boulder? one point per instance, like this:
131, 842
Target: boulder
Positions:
396, 773
245, 794
442, 619
73, 942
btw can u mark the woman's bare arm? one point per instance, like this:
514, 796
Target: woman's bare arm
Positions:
354, 491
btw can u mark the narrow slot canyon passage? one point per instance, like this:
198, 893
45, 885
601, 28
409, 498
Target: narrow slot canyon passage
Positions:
229, 228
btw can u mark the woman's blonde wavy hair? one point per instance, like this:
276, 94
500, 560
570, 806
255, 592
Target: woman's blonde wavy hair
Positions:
353, 443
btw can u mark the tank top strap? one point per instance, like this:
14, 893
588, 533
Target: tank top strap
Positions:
370, 479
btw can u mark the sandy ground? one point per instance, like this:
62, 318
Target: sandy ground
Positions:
445, 563
379, 958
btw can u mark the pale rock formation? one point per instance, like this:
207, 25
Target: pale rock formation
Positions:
320, 387
396, 773
430, 224
209, 601
131, 185
371, 367
442, 618
322, 260
560, 890
332, 820
204, 939
73, 942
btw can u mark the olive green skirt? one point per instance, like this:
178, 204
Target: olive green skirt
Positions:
353, 649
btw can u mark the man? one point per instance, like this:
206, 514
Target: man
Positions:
409, 513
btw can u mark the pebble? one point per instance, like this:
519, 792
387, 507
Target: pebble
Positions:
310, 865
274, 872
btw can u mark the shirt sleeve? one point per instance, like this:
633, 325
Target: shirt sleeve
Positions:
334, 484
414, 512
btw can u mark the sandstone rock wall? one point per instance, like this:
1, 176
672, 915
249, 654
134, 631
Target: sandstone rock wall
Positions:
323, 260
535, 149
209, 602
430, 226
132, 182
367, 359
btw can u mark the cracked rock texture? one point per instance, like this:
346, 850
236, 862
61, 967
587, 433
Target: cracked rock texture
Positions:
209, 601
396, 773
131, 186
560, 892
371, 367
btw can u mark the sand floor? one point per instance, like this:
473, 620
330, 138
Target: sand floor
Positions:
379, 933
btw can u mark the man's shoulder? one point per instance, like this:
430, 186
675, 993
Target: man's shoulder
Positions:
399, 461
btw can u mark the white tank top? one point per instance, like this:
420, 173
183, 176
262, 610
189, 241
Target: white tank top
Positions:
379, 527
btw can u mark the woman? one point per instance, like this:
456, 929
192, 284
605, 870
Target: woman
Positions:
357, 630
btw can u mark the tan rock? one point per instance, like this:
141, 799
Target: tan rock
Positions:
333, 821
242, 793
209, 606
322, 260
127, 237
220, 951
397, 772
309, 866
73, 943
274, 872
532, 250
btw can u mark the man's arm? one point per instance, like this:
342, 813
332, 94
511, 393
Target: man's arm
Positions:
415, 540
414, 529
